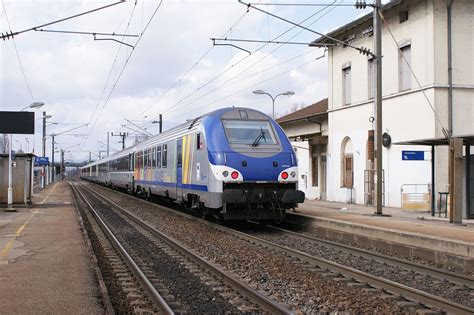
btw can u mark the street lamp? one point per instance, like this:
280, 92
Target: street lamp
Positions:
33, 105
287, 93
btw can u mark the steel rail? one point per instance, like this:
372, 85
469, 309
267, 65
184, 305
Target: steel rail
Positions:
429, 270
152, 293
430, 300
388, 285
263, 301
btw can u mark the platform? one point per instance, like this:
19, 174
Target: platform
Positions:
44, 263
413, 233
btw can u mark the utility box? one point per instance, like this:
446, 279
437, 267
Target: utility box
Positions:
21, 178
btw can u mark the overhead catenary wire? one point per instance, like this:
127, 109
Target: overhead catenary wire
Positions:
330, 6
12, 34
254, 85
362, 50
193, 65
125, 65
17, 54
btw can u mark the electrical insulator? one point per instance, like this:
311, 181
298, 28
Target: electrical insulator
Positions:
360, 4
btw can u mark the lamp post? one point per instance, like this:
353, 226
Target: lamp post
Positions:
44, 147
10, 175
287, 93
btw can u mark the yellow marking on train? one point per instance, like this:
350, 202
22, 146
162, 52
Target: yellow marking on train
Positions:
188, 155
183, 161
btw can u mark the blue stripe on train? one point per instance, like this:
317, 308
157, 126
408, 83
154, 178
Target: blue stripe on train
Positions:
168, 184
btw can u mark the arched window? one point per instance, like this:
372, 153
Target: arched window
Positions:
347, 163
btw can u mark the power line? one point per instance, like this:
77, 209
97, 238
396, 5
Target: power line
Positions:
254, 85
17, 54
12, 34
125, 65
261, 47
361, 4
362, 50
193, 65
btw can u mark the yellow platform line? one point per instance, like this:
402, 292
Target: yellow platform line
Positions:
6, 249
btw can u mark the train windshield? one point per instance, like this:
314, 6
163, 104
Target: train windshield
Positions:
252, 132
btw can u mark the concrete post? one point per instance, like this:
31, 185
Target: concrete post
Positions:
456, 180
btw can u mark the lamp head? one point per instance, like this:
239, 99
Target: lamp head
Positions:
258, 92
289, 93
36, 105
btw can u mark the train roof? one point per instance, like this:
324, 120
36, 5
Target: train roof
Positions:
188, 127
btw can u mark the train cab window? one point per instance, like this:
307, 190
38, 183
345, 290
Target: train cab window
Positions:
164, 156
251, 132
158, 156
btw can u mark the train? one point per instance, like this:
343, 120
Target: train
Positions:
233, 163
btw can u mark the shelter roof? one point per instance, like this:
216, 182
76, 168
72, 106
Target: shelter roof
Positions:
467, 140
317, 109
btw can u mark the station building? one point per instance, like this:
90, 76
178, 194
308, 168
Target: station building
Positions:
418, 39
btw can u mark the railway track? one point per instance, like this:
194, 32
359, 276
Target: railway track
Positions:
226, 294
464, 283
390, 290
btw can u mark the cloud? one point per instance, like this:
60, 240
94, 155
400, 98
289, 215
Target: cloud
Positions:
69, 72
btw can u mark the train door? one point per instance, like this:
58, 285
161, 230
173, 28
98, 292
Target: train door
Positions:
179, 170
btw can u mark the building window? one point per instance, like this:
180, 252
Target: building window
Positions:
347, 163
371, 77
404, 64
403, 16
346, 85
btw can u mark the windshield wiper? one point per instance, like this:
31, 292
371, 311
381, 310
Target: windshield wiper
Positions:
259, 138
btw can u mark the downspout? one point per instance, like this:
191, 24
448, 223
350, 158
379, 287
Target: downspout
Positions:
450, 71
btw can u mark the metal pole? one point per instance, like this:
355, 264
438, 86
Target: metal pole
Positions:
44, 151
161, 123
433, 181
52, 159
378, 102
108, 144
10, 188
273, 107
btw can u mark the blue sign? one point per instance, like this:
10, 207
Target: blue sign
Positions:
413, 155
41, 160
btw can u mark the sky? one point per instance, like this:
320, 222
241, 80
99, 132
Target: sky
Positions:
173, 69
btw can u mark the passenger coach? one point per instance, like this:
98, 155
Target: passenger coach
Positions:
233, 163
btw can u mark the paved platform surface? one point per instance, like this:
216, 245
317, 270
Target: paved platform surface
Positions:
398, 219
402, 226
44, 264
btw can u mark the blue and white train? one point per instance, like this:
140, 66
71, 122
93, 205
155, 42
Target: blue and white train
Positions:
233, 163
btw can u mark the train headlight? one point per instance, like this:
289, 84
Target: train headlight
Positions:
225, 174
234, 175
284, 175
293, 174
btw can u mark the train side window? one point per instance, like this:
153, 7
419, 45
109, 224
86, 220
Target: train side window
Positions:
153, 158
199, 141
150, 158
158, 156
146, 158
164, 156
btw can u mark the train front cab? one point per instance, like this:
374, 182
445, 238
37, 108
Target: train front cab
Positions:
255, 161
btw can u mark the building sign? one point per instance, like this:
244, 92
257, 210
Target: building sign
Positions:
413, 156
17, 122
41, 160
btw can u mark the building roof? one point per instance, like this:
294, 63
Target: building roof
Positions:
317, 109
355, 23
